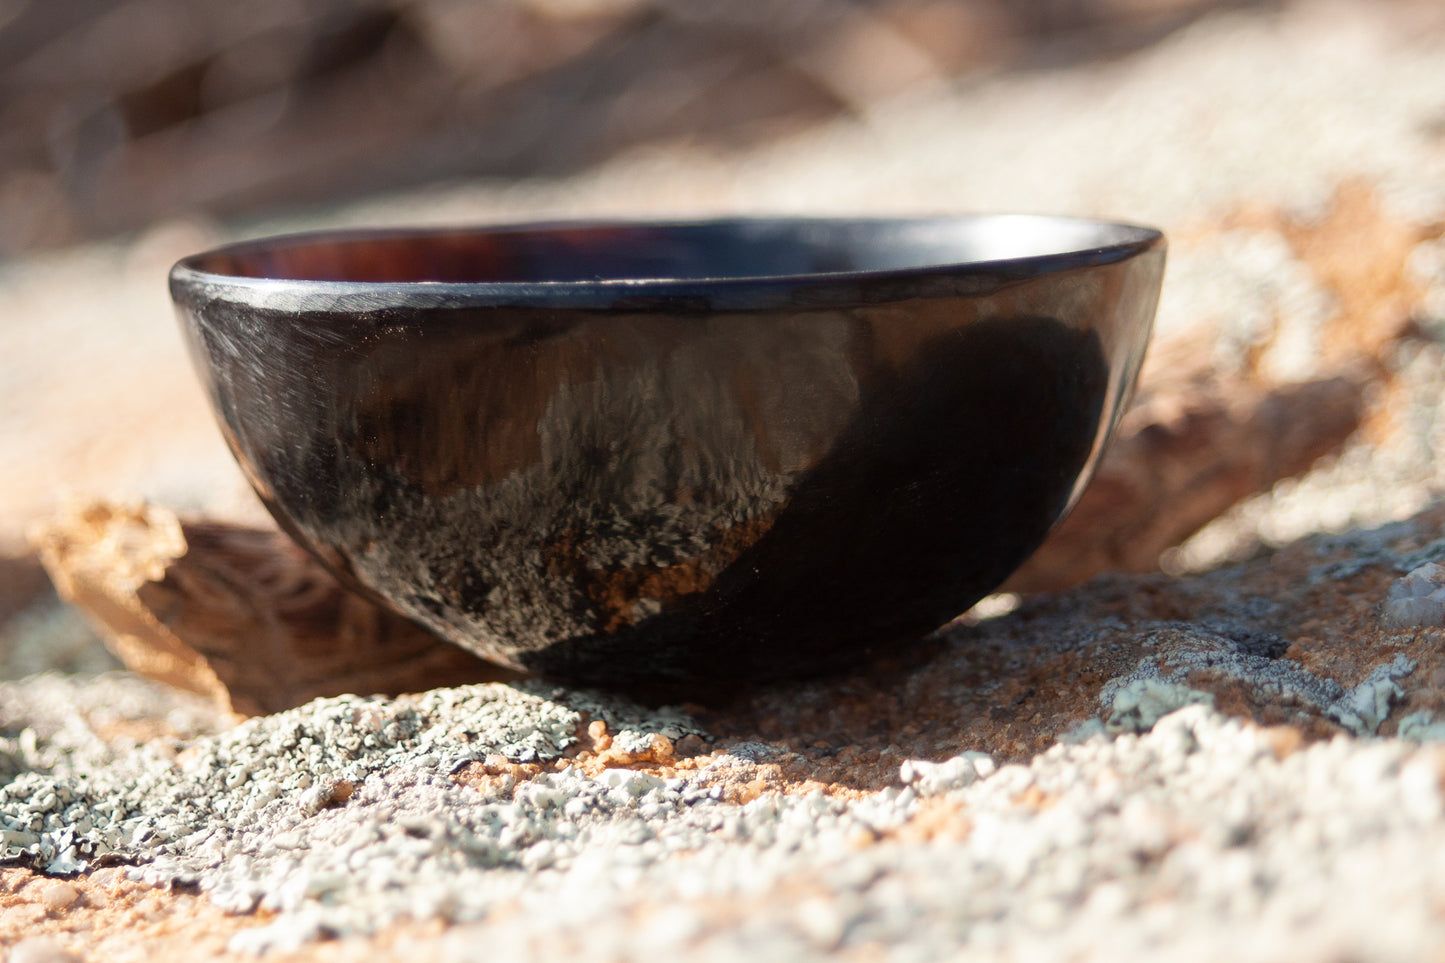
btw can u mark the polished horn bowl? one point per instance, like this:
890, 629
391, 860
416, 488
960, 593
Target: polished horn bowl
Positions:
675, 453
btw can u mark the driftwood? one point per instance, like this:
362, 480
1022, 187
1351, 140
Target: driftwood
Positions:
1183, 456
1197, 442
22, 582
241, 615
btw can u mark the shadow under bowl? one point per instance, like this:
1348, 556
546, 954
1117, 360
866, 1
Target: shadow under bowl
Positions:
688, 454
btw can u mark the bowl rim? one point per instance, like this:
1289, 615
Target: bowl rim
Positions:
193, 285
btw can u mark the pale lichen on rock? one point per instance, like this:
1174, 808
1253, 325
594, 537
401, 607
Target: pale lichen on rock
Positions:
1140, 703
1161, 683
1421, 727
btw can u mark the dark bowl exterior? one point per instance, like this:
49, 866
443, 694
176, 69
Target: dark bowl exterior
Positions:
674, 481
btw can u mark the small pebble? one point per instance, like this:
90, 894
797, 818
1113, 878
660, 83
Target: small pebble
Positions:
106, 878
58, 895
40, 949
960, 772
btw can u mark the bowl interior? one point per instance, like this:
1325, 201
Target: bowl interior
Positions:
638, 252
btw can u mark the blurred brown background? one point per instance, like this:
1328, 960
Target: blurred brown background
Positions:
116, 113
133, 132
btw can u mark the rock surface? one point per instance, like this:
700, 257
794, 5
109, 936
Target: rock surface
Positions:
1145, 758
1240, 758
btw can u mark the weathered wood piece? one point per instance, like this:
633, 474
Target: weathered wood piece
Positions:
1190, 449
241, 615
1198, 442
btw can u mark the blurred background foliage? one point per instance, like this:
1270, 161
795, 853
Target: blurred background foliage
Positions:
116, 113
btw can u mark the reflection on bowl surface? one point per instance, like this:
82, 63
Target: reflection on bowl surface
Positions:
675, 453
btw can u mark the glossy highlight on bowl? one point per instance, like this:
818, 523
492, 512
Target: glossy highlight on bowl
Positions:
675, 453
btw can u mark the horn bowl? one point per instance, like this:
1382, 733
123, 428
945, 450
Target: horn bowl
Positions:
687, 454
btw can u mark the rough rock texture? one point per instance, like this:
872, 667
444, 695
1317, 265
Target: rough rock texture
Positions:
1237, 759
1139, 759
